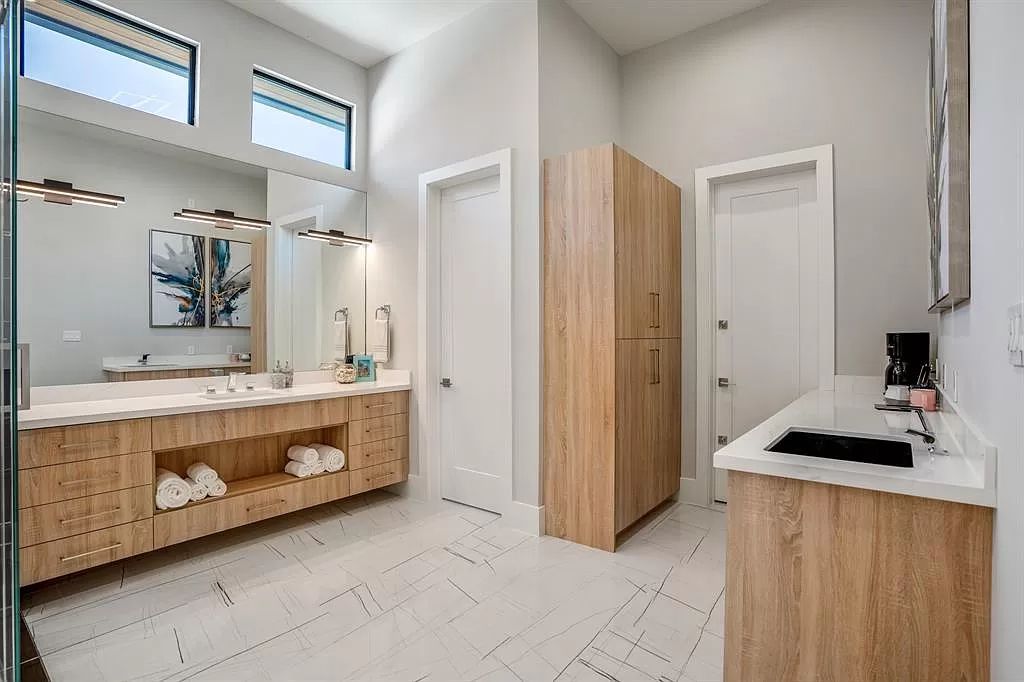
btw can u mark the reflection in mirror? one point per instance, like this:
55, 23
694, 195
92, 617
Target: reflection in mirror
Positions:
103, 289
318, 301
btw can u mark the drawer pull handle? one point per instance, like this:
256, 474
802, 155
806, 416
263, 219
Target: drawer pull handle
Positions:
379, 428
95, 551
71, 446
261, 507
82, 481
64, 522
371, 479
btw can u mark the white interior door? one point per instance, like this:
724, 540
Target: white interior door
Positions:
476, 447
766, 267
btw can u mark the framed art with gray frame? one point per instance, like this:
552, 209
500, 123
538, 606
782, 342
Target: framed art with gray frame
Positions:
949, 157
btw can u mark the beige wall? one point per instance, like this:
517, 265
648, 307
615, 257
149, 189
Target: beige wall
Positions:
790, 75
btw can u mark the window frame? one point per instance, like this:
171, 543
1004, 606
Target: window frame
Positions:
124, 50
307, 91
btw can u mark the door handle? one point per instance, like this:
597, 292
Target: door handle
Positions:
655, 358
446, 382
655, 300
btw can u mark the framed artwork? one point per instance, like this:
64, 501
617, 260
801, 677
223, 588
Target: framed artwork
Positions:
230, 283
177, 279
949, 157
366, 371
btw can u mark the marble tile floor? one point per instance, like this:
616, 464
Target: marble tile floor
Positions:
387, 588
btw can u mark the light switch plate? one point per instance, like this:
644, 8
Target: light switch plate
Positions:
191, 350
71, 335
230, 348
1015, 334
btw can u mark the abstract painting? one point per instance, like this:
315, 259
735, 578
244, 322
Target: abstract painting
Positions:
177, 284
230, 283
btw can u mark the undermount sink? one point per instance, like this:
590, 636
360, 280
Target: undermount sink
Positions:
148, 364
847, 447
241, 393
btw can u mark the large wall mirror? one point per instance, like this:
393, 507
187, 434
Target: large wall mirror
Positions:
136, 293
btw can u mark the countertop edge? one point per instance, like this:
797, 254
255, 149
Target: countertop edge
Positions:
981, 497
174, 367
212, 406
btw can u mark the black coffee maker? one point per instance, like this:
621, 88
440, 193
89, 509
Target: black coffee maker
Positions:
908, 358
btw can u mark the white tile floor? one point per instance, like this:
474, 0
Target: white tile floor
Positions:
386, 588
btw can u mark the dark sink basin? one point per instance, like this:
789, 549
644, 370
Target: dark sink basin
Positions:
893, 453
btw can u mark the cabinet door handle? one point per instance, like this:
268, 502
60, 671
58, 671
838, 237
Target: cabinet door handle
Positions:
95, 551
655, 300
83, 481
77, 519
72, 446
261, 507
655, 358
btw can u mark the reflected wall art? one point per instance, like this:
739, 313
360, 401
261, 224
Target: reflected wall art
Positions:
230, 283
177, 284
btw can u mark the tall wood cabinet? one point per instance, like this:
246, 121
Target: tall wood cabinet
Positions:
612, 348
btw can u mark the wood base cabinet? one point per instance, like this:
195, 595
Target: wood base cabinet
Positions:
826, 582
87, 492
612, 349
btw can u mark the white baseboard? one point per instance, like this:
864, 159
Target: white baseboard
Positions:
693, 491
525, 517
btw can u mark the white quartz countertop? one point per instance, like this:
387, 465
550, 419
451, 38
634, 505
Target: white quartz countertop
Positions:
115, 408
170, 367
966, 474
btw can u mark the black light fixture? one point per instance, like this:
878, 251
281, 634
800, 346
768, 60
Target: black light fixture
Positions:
334, 238
221, 218
58, 192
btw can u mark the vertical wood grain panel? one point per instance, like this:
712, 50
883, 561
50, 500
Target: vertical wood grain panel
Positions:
258, 329
835, 583
579, 352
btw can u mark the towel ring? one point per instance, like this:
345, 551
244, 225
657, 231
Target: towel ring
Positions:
344, 315
386, 309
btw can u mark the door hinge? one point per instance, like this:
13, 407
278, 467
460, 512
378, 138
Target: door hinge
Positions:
723, 440
723, 382
723, 324
446, 382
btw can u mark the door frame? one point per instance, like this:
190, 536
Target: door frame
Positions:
427, 396
273, 236
699, 490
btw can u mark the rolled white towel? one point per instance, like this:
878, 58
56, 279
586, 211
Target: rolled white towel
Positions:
172, 491
298, 469
199, 490
217, 488
302, 454
332, 457
319, 467
201, 472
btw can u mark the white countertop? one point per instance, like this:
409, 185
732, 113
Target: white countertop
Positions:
169, 367
966, 474
108, 408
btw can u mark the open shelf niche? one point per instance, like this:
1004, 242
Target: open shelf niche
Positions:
250, 464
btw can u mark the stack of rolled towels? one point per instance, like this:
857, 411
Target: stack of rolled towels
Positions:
314, 459
173, 491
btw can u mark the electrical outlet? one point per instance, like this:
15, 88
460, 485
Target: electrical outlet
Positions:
191, 350
71, 335
942, 379
1015, 335
230, 349
191, 203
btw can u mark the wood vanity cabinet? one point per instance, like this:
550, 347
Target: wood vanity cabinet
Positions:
86, 492
612, 347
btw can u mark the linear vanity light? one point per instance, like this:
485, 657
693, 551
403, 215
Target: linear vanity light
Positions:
220, 218
57, 192
334, 238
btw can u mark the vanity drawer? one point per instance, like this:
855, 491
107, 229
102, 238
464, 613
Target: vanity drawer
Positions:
380, 404
81, 479
83, 515
377, 429
370, 454
379, 476
63, 444
197, 428
60, 557
211, 517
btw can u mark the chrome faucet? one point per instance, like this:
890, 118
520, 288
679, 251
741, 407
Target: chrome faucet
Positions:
925, 432
144, 360
233, 381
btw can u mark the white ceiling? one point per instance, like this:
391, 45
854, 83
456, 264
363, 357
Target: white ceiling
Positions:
630, 25
363, 31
